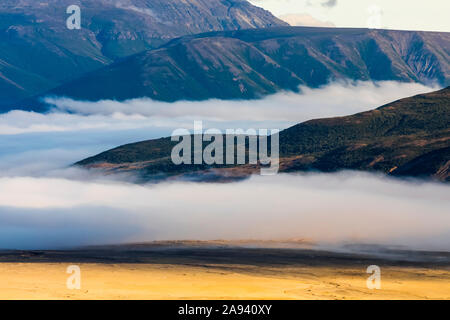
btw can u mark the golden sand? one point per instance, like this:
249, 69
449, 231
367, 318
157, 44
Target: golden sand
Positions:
151, 281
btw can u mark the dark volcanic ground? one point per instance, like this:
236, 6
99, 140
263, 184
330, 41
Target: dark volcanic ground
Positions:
221, 253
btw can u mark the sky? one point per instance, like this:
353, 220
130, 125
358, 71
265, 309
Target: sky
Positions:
431, 15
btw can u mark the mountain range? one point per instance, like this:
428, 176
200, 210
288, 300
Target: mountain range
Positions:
172, 50
407, 138
248, 64
38, 52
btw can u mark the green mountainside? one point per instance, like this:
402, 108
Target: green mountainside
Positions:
409, 137
38, 52
249, 64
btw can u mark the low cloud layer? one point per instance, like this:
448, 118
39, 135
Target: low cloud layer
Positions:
332, 100
38, 145
326, 208
276, 111
46, 204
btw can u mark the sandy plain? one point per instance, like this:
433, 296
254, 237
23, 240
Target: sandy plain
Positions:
196, 270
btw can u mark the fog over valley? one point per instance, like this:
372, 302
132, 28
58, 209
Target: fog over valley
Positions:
45, 203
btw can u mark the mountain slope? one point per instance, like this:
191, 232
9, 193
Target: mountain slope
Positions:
252, 63
38, 52
389, 139
409, 137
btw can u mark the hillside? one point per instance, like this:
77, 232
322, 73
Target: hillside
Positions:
409, 137
252, 63
38, 52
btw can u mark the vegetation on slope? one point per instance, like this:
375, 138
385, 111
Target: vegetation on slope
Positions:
409, 137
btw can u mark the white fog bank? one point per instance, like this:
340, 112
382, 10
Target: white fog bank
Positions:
45, 204
325, 208
279, 111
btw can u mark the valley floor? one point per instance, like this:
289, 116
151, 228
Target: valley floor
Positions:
220, 273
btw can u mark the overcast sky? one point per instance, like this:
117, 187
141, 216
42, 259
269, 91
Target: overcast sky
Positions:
430, 15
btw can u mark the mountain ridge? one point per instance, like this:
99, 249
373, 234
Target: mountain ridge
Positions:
249, 64
38, 52
408, 137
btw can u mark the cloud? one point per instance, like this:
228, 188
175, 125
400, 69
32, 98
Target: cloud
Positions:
48, 154
339, 98
323, 3
329, 3
36, 144
19, 122
46, 204
326, 208
305, 20
280, 110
